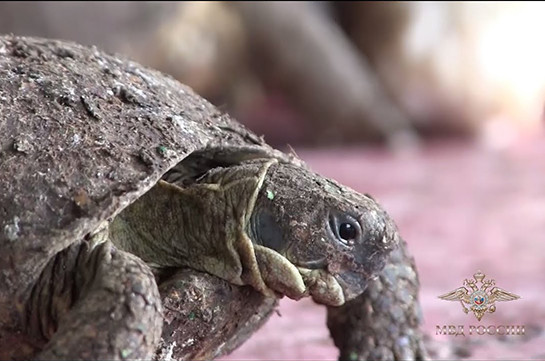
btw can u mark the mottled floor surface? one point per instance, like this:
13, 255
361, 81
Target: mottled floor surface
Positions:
461, 208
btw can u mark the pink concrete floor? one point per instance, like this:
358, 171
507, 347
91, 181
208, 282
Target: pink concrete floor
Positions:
461, 208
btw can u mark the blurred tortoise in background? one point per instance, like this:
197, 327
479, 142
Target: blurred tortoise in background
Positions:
122, 191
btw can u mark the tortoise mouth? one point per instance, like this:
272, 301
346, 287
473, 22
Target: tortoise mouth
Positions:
314, 264
353, 284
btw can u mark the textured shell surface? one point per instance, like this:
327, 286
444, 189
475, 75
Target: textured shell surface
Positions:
82, 135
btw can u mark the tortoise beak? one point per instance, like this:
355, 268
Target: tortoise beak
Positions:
353, 284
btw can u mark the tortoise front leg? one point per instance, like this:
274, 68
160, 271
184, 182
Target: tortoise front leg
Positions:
96, 303
383, 323
206, 317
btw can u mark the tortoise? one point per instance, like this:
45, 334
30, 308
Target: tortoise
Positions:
125, 195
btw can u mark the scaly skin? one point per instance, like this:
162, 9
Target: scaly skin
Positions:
383, 323
292, 251
94, 301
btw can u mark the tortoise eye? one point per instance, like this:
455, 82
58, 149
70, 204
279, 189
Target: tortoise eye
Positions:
344, 228
347, 231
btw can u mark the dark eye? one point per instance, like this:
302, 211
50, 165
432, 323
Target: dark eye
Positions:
347, 231
344, 228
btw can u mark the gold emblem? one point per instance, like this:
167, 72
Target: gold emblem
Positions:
480, 299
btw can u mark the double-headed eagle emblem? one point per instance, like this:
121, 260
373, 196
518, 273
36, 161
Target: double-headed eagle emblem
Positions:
479, 299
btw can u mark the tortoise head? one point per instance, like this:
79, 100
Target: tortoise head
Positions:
335, 236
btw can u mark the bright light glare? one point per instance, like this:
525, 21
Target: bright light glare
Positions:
511, 54
489, 55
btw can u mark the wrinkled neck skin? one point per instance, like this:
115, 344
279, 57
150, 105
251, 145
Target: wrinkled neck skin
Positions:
197, 225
